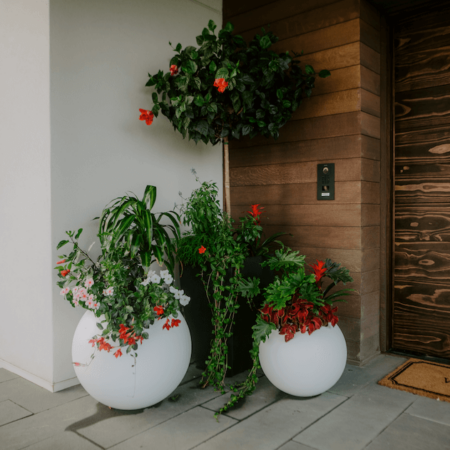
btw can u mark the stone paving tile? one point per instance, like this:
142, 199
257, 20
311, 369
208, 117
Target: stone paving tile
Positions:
191, 374
36, 428
355, 378
358, 421
34, 398
413, 433
183, 432
273, 426
428, 408
292, 445
265, 394
9, 412
6, 375
117, 429
64, 441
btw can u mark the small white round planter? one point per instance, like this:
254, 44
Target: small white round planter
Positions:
307, 365
128, 382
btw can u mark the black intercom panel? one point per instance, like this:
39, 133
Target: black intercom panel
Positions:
325, 181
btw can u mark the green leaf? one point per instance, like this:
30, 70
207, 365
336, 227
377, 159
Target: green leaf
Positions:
178, 47
78, 233
212, 66
149, 197
309, 70
261, 330
265, 42
324, 73
99, 326
61, 244
199, 101
189, 66
148, 223
228, 27
222, 73
202, 127
280, 94
200, 40
249, 288
211, 25
286, 103
246, 129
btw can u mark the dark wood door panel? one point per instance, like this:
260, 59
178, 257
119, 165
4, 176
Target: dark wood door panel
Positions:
432, 190
422, 318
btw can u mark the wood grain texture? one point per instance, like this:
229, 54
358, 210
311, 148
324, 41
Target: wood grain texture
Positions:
370, 147
370, 14
316, 19
370, 192
370, 237
421, 307
347, 192
370, 36
340, 80
370, 103
370, 125
351, 259
370, 170
370, 58
232, 8
370, 215
370, 80
370, 259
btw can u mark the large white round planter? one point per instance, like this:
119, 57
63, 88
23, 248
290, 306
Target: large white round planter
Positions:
128, 382
307, 365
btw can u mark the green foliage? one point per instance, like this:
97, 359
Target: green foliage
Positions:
264, 88
285, 260
129, 223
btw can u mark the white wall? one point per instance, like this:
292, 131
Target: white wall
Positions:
101, 52
71, 85
25, 221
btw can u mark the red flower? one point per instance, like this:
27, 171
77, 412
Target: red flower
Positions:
61, 262
175, 322
93, 342
146, 115
140, 338
118, 353
173, 70
65, 272
166, 325
131, 341
159, 310
221, 84
255, 213
76, 364
103, 345
202, 250
319, 270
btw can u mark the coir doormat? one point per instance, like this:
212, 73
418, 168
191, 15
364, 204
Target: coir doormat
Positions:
420, 377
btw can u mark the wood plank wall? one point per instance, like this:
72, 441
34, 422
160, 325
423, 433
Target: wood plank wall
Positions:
340, 124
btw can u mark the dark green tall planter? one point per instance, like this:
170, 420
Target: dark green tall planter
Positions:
198, 316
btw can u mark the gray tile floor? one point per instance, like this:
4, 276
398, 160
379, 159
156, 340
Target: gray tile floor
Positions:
355, 414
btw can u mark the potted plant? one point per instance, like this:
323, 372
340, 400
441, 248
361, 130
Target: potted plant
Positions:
227, 89
132, 346
297, 341
215, 255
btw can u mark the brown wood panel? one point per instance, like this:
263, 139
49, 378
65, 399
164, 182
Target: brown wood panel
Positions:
233, 8
340, 80
370, 192
370, 36
328, 104
345, 170
421, 307
370, 259
422, 317
370, 103
370, 304
294, 194
370, 147
370, 282
323, 236
370, 14
370, 80
313, 150
370, 215
325, 38
370, 170
337, 215
310, 129
370, 125
316, 19
351, 259
272, 12
370, 58
370, 237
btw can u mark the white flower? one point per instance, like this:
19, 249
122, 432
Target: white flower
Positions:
75, 289
110, 291
76, 303
82, 296
184, 300
168, 279
89, 282
82, 290
65, 291
90, 303
150, 274
145, 282
173, 290
91, 297
179, 294
96, 305
155, 278
164, 273
104, 292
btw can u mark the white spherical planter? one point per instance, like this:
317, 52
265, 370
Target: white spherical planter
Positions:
307, 365
162, 362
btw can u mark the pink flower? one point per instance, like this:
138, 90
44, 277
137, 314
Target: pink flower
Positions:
96, 305
75, 289
90, 304
65, 291
76, 303
91, 297
89, 282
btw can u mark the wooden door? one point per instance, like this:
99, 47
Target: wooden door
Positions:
421, 303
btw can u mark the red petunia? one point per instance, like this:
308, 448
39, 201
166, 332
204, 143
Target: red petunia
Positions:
65, 272
93, 342
202, 250
61, 262
118, 353
167, 325
159, 310
319, 270
221, 84
131, 341
147, 116
175, 322
173, 70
